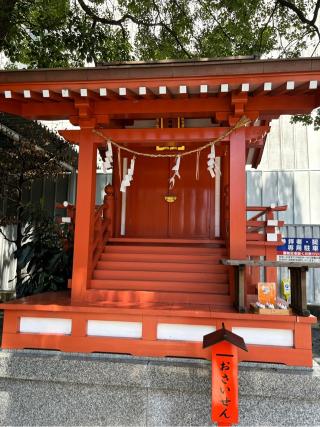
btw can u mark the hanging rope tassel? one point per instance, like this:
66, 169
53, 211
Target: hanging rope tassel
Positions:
211, 161
131, 169
176, 173
128, 177
108, 162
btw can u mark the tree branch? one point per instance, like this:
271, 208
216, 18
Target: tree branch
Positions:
292, 43
224, 32
301, 16
119, 22
267, 23
6, 238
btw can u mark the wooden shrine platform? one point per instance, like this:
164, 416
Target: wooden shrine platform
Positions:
50, 321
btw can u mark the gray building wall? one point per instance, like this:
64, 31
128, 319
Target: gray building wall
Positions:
289, 174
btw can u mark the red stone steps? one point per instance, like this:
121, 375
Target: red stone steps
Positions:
136, 296
173, 286
161, 275
135, 271
161, 266
162, 257
168, 250
167, 241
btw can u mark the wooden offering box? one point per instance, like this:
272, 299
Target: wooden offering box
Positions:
276, 311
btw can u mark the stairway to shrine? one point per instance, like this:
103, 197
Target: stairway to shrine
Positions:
179, 272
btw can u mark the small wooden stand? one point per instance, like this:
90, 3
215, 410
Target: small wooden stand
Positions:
298, 280
277, 311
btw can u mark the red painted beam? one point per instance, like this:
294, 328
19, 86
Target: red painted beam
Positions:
165, 135
150, 108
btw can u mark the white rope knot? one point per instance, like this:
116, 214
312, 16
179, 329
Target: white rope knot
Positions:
176, 173
212, 162
128, 177
107, 164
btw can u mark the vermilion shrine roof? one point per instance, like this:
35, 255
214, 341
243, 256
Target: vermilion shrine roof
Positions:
222, 90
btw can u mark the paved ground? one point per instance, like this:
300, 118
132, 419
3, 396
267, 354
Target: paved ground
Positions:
316, 342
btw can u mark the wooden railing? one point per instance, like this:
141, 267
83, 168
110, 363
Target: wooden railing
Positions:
103, 225
263, 237
262, 226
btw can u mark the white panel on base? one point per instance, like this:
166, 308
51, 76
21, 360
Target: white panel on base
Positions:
45, 325
266, 336
110, 328
181, 332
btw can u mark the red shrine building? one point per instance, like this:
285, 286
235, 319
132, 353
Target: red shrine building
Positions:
147, 274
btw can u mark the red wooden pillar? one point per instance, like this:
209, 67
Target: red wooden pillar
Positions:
237, 201
237, 195
225, 197
85, 207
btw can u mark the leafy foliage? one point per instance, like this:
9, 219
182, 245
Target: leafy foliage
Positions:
66, 33
31, 154
307, 119
73, 33
36, 153
45, 256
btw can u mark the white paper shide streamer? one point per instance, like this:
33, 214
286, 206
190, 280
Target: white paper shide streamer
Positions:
107, 164
176, 173
128, 177
213, 168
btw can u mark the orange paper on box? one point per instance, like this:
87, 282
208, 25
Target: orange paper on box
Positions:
267, 292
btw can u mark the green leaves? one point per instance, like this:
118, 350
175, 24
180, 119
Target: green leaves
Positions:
308, 119
24, 254
45, 257
64, 33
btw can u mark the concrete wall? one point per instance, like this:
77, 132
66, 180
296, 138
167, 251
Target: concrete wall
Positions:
289, 174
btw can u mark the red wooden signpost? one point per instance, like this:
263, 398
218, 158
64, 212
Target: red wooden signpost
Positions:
225, 408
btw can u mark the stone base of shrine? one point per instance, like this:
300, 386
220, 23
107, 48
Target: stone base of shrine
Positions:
56, 388
49, 321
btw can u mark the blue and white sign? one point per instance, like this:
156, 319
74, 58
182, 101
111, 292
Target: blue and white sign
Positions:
299, 249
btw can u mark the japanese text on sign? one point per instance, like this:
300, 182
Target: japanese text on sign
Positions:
299, 249
225, 392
